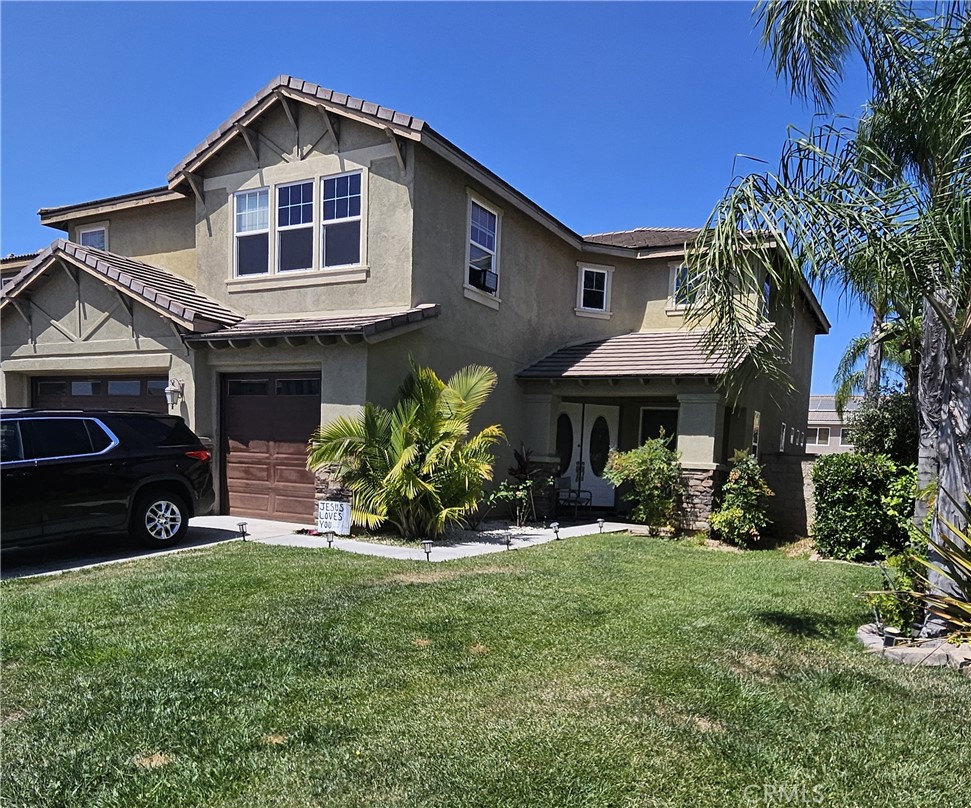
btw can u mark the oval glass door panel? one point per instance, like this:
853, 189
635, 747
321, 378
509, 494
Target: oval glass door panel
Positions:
564, 442
599, 445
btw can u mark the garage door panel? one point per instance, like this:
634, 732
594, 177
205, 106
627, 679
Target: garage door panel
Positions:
268, 419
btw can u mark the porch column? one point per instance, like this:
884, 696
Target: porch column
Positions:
700, 424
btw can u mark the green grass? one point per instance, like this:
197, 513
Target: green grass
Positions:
602, 671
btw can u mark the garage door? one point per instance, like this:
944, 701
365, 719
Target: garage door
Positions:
267, 420
100, 393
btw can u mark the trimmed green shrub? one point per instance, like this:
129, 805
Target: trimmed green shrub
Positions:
859, 503
654, 473
741, 517
898, 605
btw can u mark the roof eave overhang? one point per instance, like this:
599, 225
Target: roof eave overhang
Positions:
61, 217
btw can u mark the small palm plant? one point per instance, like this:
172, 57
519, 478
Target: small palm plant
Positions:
417, 466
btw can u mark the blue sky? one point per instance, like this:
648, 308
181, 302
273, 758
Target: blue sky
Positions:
609, 115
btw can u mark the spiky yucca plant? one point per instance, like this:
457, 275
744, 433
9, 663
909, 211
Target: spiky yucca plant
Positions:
417, 466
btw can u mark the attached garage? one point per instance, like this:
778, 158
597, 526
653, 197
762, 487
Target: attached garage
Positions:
99, 393
267, 420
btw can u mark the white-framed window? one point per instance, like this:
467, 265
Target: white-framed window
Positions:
782, 438
94, 235
846, 437
482, 252
340, 242
252, 229
593, 289
766, 298
791, 343
681, 291
295, 227
818, 436
756, 425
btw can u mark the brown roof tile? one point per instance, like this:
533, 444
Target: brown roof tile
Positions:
646, 237
363, 323
152, 285
637, 355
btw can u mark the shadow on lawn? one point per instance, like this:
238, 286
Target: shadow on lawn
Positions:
804, 624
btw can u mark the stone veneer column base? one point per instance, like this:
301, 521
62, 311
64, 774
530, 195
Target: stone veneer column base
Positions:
327, 488
700, 489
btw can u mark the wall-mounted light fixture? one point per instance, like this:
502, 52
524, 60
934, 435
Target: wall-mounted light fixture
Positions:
175, 392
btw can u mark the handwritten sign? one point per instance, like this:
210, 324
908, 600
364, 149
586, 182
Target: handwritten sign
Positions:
334, 516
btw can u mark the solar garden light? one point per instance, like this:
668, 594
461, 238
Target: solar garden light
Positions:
556, 529
508, 541
329, 535
242, 530
426, 545
600, 523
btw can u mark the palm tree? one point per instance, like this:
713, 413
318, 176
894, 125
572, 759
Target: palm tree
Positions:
417, 466
890, 197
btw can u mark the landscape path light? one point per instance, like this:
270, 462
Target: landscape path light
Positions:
600, 523
555, 526
242, 530
426, 545
329, 535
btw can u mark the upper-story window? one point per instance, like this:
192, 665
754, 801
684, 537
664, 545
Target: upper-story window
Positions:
483, 252
593, 290
289, 242
341, 238
683, 291
295, 227
94, 235
253, 232
766, 298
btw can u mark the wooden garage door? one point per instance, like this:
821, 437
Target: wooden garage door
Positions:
100, 393
267, 420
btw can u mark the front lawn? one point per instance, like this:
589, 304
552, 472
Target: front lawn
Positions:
602, 671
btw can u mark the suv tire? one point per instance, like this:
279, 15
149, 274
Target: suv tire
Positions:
160, 518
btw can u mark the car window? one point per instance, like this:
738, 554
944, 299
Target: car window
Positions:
148, 430
57, 437
11, 447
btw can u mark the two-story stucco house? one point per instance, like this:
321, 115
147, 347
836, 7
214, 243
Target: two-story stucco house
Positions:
298, 256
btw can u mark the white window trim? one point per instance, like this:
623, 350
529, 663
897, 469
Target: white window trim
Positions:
492, 301
756, 432
92, 228
782, 438
314, 258
845, 433
319, 222
270, 258
673, 307
582, 311
352, 273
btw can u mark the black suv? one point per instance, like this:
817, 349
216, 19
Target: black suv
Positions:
75, 472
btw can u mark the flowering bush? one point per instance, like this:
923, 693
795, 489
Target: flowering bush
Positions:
741, 517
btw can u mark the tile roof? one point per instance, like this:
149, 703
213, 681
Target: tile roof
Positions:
167, 293
637, 355
646, 237
382, 116
364, 323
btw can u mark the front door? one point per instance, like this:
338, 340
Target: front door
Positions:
592, 429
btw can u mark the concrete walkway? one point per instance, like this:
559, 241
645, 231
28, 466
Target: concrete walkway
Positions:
441, 551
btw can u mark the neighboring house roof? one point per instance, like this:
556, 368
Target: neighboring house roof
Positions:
365, 324
822, 409
157, 288
637, 355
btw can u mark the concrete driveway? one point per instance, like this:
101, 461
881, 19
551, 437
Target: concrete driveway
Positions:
88, 551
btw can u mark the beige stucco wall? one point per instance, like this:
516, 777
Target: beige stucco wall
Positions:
382, 281
94, 334
162, 234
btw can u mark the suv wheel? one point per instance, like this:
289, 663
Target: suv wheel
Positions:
160, 519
